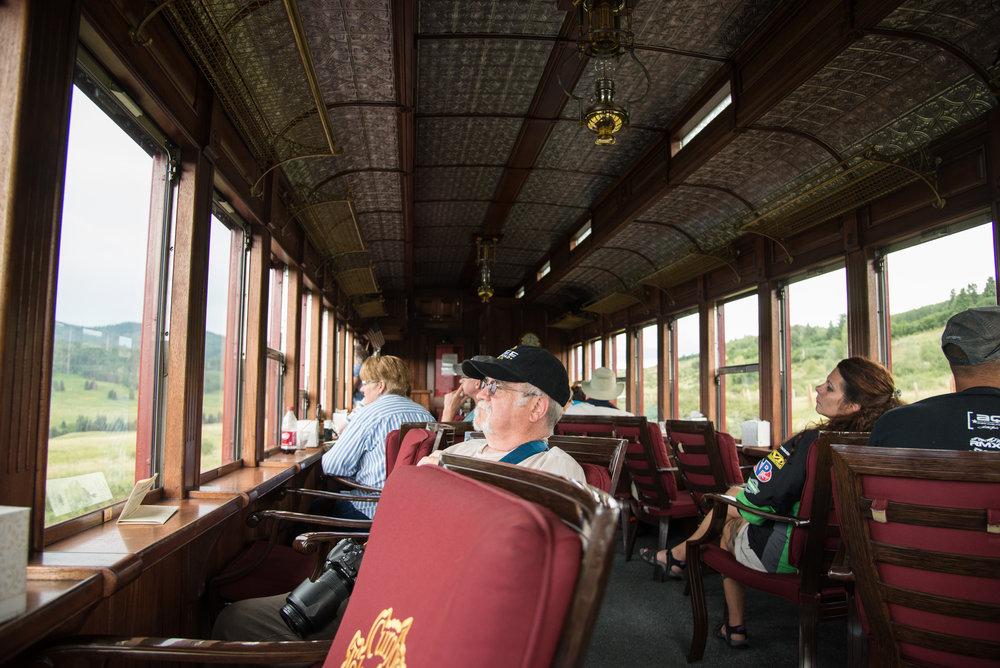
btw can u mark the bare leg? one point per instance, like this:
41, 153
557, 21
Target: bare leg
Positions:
679, 551
735, 591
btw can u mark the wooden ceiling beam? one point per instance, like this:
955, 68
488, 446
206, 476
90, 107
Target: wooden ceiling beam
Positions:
543, 114
404, 17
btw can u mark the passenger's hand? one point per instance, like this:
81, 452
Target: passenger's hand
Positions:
429, 460
452, 400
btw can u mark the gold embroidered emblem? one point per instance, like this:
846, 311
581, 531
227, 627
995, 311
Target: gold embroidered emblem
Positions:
386, 640
776, 457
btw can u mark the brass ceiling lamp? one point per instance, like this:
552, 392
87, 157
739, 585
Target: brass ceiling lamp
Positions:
605, 36
486, 255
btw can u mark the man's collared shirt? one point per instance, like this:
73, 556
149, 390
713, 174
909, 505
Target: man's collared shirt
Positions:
359, 452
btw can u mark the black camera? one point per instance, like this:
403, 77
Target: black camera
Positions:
311, 605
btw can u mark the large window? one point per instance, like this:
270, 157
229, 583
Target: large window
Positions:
108, 310
619, 363
222, 398
687, 358
816, 341
647, 373
738, 374
923, 286
275, 393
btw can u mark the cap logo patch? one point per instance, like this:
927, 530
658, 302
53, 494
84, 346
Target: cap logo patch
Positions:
507, 355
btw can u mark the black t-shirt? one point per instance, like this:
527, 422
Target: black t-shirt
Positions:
968, 420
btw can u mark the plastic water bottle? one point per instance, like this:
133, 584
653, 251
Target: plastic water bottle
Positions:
289, 431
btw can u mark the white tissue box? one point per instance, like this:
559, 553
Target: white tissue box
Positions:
757, 432
13, 560
307, 434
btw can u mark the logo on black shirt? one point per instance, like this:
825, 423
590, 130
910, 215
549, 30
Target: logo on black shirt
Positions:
982, 421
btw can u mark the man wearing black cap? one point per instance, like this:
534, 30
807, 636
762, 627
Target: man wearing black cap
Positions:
969, 418
521, 397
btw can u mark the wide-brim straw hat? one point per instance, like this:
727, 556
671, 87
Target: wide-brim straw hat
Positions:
603, 385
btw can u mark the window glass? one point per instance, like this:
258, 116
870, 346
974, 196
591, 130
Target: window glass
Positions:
324, 357
688, 362
222, 384
577, 370
596, 356
275, 390
99, 310
922, 299
305, 362
619, 363
739, 378
649, 344
817, 339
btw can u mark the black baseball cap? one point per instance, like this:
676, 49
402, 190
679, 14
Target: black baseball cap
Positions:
976, 332
524, 364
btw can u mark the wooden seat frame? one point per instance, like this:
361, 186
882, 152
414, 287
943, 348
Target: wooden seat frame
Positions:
818, 596
854, 463
592, 514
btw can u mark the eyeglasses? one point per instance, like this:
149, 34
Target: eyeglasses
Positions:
491, 387
370, 382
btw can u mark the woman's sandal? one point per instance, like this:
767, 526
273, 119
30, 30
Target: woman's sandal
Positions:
649, 556
728, 635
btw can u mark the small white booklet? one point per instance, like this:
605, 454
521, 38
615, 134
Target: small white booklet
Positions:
136, 513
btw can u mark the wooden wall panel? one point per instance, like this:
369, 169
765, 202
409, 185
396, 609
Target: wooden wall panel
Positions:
37, 55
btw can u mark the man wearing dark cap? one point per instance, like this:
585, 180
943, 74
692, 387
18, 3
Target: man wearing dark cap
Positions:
969, 418
521, 397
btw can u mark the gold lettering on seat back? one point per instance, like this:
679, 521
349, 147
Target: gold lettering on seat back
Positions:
386, 640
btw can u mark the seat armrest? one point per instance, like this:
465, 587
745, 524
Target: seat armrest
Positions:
777, 517
97, 649
348, 496
306, 518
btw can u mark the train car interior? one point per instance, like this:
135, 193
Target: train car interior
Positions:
213, 211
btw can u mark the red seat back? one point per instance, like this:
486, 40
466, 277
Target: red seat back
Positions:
392, 444
415, 444
926, 561
486, 583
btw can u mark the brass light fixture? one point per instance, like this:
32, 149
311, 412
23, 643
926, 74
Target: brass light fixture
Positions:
605, 36
486, 250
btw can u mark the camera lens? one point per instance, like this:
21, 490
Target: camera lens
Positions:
296, 620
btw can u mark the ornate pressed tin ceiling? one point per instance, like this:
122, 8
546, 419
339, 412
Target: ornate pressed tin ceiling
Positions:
406, 127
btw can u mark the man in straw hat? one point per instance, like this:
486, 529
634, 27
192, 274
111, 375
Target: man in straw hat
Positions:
600, 390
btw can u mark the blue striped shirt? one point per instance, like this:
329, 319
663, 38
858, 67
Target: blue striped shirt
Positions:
359, 452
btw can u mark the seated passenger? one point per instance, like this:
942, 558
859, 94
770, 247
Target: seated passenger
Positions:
359, 452
969, 417
598, 393
853, 397
467, 388
516, 417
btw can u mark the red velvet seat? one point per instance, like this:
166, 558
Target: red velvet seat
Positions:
647, 485
707, 459
814, 542
487, 584
922, 530
486, 564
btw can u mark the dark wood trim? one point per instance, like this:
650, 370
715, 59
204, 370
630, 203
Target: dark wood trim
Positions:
255, 375
37, 58
186, 366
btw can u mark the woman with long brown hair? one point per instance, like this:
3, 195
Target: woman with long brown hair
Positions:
851, 398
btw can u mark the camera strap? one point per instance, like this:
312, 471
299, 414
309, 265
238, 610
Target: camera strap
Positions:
523, 451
